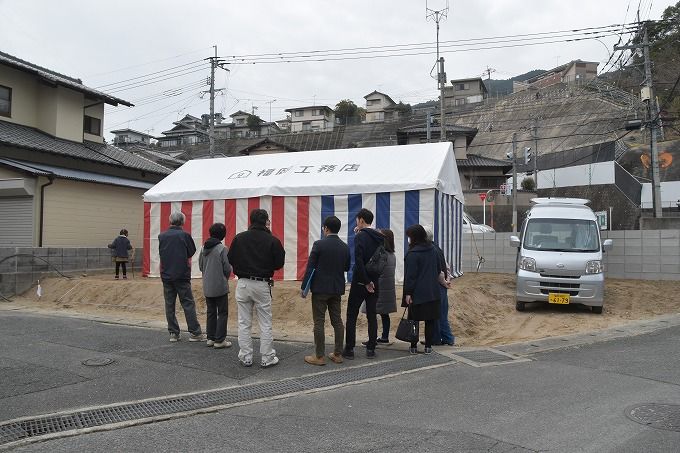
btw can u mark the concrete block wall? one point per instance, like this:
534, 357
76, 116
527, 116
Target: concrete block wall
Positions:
637, 254
22, 267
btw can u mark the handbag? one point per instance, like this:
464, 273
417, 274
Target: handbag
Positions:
407, 330
376, 264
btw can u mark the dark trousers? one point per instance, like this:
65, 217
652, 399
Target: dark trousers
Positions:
181, 288
385, 326
357, 294
321, 302
120, 264
430, 326
445, 332
217, 309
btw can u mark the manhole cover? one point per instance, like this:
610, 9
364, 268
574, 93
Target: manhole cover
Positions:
99, 361
654, 415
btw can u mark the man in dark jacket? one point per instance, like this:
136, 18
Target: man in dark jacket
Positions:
329, 260
364, 286
255, 255
176, 248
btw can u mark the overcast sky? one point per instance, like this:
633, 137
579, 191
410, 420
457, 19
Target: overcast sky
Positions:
106, 42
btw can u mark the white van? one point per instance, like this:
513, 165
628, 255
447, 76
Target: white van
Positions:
560, 255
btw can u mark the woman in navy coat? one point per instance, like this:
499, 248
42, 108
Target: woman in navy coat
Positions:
421, 283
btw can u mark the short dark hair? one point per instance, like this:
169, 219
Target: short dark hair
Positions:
218, 231
258, 217
123, 232
365, 215
389, 239
332, 223
416, 233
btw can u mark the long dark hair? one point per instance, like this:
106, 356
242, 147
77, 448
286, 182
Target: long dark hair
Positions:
416, 233
389, 239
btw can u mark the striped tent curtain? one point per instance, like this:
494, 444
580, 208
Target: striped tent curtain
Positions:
296, 221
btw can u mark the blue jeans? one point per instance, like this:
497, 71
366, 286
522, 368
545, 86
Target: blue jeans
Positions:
444, 328
181, 288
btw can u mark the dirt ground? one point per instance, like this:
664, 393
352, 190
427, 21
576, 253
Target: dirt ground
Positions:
482, 307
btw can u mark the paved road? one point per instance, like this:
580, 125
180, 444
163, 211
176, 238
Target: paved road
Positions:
566, 400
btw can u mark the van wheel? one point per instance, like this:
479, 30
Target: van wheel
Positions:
597, 310
519, 306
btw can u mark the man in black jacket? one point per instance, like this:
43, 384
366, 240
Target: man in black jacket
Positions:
364, 286
329, 260
255, 255
176, 247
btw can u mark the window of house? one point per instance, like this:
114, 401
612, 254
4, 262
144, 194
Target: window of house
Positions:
5, 101
299, 113
460, 101
318, 112
92, 125
462, 86
307, 126
240, 121
373, 102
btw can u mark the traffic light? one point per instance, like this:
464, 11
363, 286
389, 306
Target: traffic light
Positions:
527, 155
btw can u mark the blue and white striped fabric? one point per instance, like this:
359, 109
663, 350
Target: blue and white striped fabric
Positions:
397, 211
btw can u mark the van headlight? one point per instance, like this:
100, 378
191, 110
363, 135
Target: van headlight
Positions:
527, 264
594, 267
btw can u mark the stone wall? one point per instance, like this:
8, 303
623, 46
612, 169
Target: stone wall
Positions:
22, 267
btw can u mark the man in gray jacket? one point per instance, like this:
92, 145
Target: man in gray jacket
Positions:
216, 269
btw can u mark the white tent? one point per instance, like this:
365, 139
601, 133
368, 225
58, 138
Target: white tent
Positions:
401, 185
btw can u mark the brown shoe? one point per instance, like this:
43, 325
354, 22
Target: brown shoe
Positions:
314, 360
337, 358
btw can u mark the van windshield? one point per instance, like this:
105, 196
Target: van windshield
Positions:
562, 235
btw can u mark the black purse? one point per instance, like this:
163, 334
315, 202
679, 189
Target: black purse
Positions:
407, 330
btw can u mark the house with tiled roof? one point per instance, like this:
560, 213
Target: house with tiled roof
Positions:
313, 118
128, 137
377, 107
186, 131
61, 185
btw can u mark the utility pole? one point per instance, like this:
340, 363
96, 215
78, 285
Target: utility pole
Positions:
437, 16
213, 63
653, 119
442, 84
514, 182
535, 130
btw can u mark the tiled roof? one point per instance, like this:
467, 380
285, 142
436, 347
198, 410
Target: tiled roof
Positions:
478, 161
70, 173
54, 78
27, 137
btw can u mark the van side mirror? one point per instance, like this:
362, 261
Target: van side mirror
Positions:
514, 241
607, 245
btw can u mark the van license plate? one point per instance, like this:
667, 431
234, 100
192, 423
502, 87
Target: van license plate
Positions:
558, 298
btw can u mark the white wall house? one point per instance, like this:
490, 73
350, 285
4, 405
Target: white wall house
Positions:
312, 118
376, 103
123, 137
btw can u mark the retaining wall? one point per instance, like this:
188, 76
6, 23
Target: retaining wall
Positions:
646, 254
22, 267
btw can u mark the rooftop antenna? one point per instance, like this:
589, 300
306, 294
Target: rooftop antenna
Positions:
437, 15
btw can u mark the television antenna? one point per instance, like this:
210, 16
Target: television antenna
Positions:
437, 15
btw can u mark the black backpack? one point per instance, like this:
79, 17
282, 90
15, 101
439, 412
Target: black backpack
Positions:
376, 265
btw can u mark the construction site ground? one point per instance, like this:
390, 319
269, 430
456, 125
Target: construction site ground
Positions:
482, 307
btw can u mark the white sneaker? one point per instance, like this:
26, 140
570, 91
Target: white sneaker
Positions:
246, 363
209, 343
269, 362
222, 344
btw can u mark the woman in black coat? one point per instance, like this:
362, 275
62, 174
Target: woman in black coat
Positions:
421, 283
119, 252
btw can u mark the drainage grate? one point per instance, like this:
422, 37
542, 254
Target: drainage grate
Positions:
659, 416
33, 428
482, 357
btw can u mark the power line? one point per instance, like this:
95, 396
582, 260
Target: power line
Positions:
193, 63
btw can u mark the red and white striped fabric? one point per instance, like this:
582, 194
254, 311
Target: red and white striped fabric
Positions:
401, 185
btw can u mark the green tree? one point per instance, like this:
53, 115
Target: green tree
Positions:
528, 184
347, 112
254, 122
